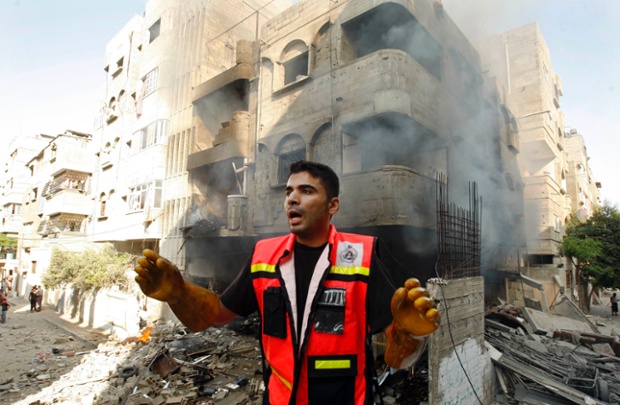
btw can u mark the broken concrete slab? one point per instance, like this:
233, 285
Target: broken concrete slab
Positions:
545, 323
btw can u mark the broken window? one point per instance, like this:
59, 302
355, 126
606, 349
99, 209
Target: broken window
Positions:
539, 259
392, 139
145, 195
391, 26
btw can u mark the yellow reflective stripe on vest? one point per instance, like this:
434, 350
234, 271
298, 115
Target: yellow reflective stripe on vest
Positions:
284, 381
331, 364
268, 268
350, 271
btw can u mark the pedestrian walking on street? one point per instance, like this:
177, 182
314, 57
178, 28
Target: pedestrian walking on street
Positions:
33, 299
39, 298
5, 308
614, 305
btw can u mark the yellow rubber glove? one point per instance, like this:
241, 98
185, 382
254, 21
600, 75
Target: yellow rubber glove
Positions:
195, 306
415, 317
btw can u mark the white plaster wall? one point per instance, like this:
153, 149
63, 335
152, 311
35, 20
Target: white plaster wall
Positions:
453, 385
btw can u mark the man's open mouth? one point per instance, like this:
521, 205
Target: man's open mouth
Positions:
294, 215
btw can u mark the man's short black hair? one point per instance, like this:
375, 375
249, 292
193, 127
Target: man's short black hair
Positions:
328, 177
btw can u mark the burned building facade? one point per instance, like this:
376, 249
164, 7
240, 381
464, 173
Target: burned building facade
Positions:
389, 94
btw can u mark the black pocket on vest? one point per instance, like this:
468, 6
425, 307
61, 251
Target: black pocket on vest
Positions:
274, 323
329, 316
331, 380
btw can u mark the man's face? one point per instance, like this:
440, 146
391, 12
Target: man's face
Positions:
308, 208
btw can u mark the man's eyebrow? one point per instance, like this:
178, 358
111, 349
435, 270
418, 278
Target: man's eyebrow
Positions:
304, 186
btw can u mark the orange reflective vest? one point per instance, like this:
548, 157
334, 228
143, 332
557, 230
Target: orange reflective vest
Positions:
331, 361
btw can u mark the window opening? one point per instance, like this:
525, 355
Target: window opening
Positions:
296, 68
154, 30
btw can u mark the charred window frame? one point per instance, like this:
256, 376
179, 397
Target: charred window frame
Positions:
392, 26
284, 162
292, 149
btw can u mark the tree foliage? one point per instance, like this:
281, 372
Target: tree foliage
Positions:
88, 270
7, 243
594, 247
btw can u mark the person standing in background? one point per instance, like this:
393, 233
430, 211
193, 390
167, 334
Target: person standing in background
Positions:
5, 308
39, 298
33, 299
614, 305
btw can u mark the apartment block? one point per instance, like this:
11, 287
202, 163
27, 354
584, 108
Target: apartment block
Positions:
520, 59
554, 163
388, 94
56, 204
580, 181
127, 187
190, 43
14, 181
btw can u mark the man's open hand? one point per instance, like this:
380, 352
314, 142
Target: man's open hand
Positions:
158, 277
413, 310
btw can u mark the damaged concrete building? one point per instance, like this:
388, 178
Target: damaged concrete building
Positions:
551, 160
389, 94
392, 96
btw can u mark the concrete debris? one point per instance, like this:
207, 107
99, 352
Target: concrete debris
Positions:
550, 365
217, 366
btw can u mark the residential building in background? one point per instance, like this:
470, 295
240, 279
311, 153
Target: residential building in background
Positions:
14, 183
580, 182
127, 183
205, 104
520, 59
56, 203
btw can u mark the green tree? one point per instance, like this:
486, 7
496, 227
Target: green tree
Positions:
7, 243
593, 246
88, 270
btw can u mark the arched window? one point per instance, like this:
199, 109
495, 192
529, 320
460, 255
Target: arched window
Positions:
291, 149
102, 204
295, 61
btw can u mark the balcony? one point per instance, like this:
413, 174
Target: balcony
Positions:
230, 142
538, 141
11, 224
391, 195
394, 82
68, 201
77, 160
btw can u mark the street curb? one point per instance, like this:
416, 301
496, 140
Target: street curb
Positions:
70, 332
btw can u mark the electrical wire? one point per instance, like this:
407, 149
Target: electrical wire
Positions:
445, 305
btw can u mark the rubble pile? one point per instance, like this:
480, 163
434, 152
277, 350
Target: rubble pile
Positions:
169, 366
554, 366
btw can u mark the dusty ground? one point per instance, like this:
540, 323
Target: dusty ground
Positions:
48, 359
29, 341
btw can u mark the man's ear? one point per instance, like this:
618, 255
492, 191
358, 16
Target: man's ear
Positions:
334, 205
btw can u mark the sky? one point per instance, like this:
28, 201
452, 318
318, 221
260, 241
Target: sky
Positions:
52, 59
